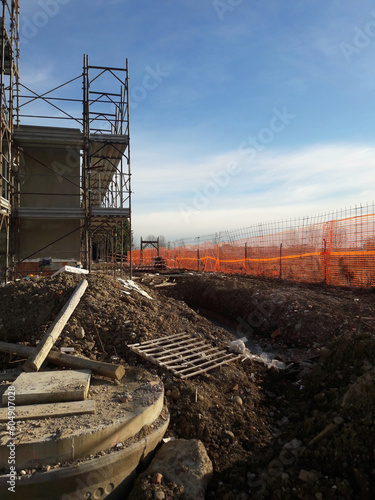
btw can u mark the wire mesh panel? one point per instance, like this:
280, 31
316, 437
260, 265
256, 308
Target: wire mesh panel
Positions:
334, 248
183, 354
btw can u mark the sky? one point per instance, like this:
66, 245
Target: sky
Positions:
240, 111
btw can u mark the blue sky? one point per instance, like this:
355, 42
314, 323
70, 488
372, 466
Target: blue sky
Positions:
241, 111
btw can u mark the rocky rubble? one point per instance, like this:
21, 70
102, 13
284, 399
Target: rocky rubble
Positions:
325, 447
182, 466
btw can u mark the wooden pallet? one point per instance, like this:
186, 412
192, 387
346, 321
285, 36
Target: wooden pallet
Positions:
183, 354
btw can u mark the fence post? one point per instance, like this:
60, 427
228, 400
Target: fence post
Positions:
281, 249
245, 263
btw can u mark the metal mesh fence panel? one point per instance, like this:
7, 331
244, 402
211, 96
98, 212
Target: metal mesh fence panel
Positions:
334, 248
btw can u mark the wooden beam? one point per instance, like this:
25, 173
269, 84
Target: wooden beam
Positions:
115, 372
165, 284
40, 353
49, 410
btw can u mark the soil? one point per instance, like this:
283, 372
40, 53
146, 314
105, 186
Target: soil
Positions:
303, 432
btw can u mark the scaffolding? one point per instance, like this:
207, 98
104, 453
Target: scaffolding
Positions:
9, 79
106, 156
71, 182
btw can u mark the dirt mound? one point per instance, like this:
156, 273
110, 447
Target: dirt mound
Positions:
323, 447
106, 312
304, 432
203, 407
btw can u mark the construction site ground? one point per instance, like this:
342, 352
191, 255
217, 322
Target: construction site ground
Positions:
304, 429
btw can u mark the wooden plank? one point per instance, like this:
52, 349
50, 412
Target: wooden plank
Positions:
194, 354
171, 343
35, 360
207, 363
183, 344
165, 284
115, 372
50, 387
49, 410
204, 370
189, 359
157, 341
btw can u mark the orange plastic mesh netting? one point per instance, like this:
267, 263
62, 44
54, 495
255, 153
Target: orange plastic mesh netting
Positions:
338, 252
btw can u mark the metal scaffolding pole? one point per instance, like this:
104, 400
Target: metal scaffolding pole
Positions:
129, 172
85, 163
9, 113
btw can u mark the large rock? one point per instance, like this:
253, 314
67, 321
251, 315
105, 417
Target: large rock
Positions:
361, 394
181, 462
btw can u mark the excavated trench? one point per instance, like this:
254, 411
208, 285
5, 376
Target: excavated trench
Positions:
321, 407
263, 354
249, 319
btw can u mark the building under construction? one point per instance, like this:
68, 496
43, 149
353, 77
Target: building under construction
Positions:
65, 181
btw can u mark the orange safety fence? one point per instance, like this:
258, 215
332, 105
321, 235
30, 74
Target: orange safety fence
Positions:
337, 252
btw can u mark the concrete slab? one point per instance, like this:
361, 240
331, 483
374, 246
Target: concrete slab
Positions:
122, 410
31, 412
109, 476
49, 387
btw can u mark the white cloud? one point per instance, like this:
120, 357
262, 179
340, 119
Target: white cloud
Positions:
31, 76
178, 199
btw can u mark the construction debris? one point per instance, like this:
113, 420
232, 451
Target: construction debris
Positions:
165, 284
157, 280
109, 370
183, 354
51, 410
129, 284
70, 269
49, 387
256, 423
45, 345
